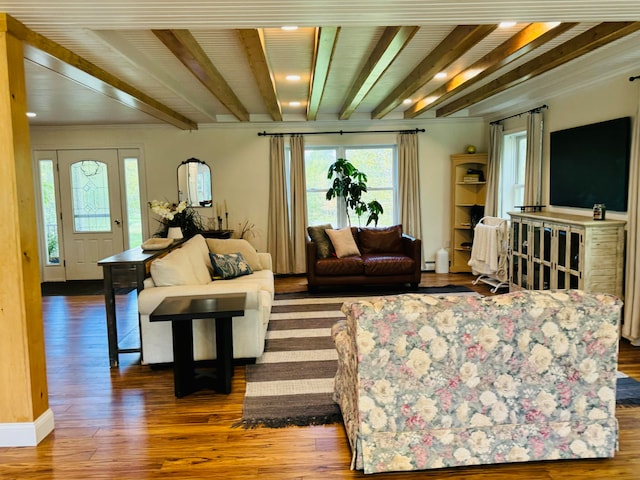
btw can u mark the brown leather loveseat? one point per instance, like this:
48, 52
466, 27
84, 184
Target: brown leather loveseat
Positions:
381, 256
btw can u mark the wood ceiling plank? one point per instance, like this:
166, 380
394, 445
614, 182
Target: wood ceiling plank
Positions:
55, 57
529, 38
326, 38
392, 42
253, 43
586, 42
456, 44
186, 49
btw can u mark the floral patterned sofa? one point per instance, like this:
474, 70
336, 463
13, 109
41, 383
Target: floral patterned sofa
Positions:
441, 381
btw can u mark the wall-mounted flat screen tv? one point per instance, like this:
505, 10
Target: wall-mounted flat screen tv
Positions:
590, 164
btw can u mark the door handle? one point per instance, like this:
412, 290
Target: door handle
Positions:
117, 221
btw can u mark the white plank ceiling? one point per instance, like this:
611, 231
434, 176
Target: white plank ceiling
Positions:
117, 36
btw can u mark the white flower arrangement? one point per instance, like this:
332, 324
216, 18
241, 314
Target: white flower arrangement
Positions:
167, 211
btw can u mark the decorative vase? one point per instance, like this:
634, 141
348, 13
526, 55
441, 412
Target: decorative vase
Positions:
174, 232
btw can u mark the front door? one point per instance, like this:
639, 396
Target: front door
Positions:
91, 210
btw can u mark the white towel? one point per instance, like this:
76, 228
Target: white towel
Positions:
485, 249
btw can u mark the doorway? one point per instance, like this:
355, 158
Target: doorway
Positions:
90, 209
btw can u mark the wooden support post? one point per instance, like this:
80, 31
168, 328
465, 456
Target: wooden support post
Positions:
25, 417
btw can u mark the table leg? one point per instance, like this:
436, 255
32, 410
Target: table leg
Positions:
224, 354
183, 364
110, 305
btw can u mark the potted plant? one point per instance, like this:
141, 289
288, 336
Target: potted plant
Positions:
177, 215
350, 184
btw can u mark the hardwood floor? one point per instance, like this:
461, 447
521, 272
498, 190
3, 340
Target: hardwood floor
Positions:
125, 423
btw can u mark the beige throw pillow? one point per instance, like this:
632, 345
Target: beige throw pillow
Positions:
176, 268
236, 245
343, 242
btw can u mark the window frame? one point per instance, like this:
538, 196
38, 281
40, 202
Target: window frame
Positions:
341, 152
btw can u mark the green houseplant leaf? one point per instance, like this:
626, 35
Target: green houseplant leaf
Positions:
350, 184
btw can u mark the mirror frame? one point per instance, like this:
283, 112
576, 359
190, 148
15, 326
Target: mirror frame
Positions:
184, 194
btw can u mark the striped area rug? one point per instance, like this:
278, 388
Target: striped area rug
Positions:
292, 382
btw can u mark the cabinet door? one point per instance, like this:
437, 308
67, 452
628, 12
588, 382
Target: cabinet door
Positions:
540, 241
518, 266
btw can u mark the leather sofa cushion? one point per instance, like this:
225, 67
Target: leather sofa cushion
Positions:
381, 240
340, 266
378, 264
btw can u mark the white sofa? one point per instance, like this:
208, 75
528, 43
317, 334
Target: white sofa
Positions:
188, 271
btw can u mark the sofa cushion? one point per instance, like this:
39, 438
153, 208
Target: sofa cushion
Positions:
381, 240
199, 247
230, 265
175, 268
340, 266
236, 245
198, 255
379, 264
318, 234
343, 242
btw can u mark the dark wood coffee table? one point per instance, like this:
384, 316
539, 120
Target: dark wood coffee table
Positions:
181, 311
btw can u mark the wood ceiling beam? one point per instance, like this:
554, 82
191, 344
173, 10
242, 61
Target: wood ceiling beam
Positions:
586, 42
392, 42
526, 40
48, 54
457, 43
253, 42
186, 49
326, 39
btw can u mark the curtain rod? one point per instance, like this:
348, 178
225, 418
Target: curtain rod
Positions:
533, 110
341, 132
631, 79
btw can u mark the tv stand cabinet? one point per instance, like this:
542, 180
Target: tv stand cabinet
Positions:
557, 251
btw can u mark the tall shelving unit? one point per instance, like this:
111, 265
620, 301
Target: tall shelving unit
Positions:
464, 196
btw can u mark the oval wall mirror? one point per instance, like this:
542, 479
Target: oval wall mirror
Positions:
194, 183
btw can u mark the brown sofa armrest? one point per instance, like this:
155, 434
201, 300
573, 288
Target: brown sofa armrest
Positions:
412, 247
311, 261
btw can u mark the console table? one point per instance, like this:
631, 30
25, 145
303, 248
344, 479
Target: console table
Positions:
181, 311
124, 270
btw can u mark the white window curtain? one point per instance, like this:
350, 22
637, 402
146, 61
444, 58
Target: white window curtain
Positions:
493, 169
533, 174
409, 184
278, 238
631, 325
298, 205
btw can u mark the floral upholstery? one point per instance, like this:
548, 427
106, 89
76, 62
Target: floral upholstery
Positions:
429, 381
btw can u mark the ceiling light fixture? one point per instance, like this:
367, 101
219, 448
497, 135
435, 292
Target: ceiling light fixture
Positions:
293, 78
294, 104
507, 24
407, 101
440, 75
289, 28
31, 114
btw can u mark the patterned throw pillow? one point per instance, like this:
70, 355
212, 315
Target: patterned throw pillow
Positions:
318, 234
229, 265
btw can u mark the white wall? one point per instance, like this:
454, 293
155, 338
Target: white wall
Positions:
239, 160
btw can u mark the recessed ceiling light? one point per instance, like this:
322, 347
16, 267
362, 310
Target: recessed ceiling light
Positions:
289, 27
294, 104
293, 78
507, 24
407, 101
440, 75
31, 114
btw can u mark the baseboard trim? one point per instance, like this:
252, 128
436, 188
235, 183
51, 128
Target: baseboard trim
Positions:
27, 434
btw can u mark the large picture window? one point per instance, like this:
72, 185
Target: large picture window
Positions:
379, 163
